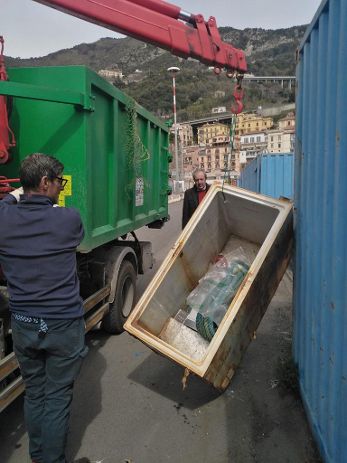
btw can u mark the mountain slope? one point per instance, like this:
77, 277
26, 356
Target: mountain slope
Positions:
268, 52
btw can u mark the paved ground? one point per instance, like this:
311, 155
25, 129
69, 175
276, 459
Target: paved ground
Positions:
129, 405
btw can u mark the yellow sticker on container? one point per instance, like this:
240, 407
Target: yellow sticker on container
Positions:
61, 200
68, 187
67, 191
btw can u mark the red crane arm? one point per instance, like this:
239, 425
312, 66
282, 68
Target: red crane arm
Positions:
162, 24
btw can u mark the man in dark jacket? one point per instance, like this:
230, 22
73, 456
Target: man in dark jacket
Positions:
38, 244
194, 196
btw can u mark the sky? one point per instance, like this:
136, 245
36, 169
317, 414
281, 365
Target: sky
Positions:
31, 29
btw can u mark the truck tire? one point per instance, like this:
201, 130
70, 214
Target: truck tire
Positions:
124, 299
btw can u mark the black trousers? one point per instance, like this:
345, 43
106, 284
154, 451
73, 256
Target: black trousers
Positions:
49, 366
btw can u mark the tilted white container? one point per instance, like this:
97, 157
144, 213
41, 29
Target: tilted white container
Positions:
228, 218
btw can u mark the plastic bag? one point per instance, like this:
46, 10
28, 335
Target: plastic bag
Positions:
215, 291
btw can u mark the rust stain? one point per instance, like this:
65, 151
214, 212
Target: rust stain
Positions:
222, 353
226, 382
230, 374
337, 137
177, 251
185, 378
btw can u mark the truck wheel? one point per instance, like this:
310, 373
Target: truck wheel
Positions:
124, 299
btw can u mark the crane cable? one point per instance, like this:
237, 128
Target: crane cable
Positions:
227, 171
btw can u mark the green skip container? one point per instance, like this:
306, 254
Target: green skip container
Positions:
115, 152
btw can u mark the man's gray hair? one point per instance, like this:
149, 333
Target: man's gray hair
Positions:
38, 165
196, 171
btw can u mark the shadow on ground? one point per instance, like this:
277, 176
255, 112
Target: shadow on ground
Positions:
12, 428
164, 377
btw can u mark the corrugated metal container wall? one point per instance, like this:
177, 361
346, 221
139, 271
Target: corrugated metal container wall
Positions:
271, 175
277, 175
250, 176
320, 326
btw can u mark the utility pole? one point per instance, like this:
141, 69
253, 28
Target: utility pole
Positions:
173, 70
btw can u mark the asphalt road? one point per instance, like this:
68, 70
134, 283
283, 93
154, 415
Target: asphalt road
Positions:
129, 406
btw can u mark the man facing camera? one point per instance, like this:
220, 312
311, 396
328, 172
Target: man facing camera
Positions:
194, 196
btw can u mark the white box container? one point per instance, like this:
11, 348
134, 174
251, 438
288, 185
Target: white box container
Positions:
228, 218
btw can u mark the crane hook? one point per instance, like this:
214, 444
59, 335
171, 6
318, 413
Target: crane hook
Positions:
238, 94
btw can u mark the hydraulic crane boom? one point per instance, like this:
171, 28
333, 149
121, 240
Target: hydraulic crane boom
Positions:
161, 24
154, 21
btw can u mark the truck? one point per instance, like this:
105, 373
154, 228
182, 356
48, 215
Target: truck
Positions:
115, 154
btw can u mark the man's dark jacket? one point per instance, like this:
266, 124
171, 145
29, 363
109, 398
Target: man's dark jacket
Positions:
190, 203
38, 255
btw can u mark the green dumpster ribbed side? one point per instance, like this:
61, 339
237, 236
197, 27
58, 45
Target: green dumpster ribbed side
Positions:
115, 152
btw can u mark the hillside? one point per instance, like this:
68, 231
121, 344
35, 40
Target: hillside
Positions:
269, 52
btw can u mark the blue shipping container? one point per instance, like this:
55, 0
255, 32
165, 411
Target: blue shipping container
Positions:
270, 174
250, 176
320, 291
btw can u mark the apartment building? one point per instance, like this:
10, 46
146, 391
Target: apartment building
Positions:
252, 145
216, 157
191, 158
185, 134
111, 74
250, 123
210, 133
254, 136
287, 123
219, 109
279, 141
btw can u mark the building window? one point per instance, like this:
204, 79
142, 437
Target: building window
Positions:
246, 140
258, 139
272, 138
251, 139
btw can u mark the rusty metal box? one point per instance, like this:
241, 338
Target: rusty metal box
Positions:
228, 218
